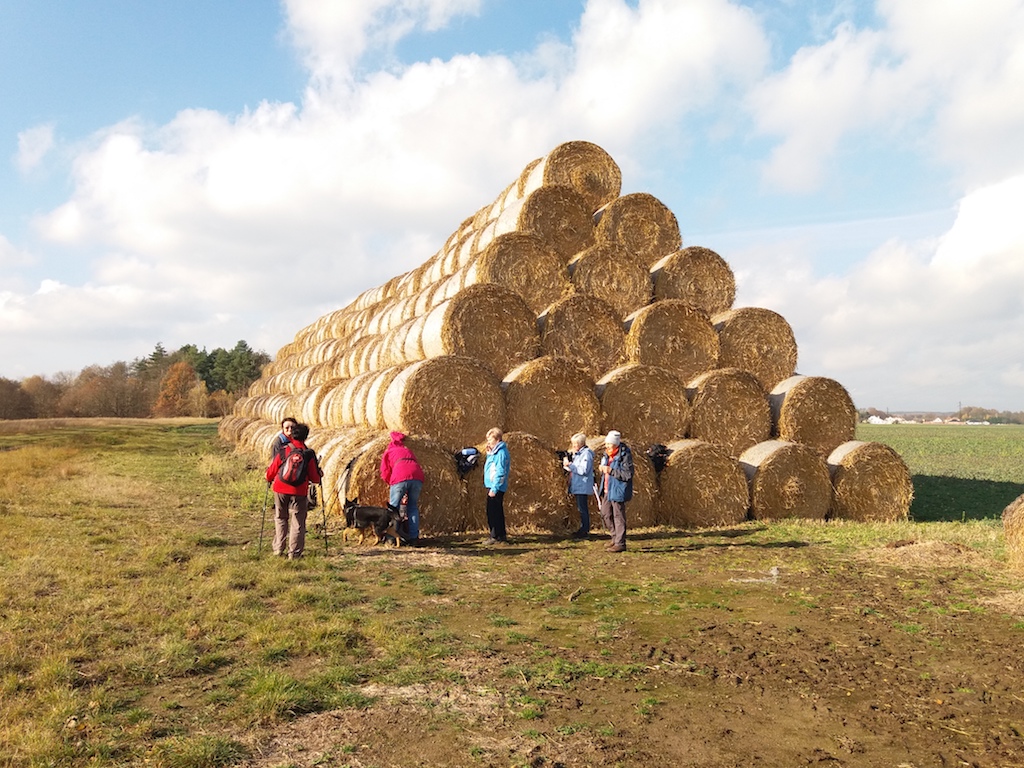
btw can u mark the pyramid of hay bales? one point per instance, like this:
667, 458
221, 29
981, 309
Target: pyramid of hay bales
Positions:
563, 307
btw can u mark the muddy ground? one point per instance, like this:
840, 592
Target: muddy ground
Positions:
715, 650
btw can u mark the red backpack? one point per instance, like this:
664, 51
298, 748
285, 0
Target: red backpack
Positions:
294, 465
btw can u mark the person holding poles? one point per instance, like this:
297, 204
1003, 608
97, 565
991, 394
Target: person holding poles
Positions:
616, 488
290, 472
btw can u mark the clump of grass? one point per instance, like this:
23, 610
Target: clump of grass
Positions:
197, 752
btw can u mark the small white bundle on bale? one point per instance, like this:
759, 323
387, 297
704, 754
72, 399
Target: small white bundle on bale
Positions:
441, 500
646, 402
701, 487
487, 322
583, 329
550, 398
787, 480
451, 399
757, 340
1013, 532
698, 276
557, 215
538, 493
641, 224
524, 264
813, 410
578, 164
729, 408
672, 334
609, 273
871, 483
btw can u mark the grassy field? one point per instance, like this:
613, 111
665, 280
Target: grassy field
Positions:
138, 626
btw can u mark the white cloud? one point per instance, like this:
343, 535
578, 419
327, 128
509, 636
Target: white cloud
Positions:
33, 145
11, 256
958, 64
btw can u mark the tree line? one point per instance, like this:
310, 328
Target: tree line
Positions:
187, 382
967, 413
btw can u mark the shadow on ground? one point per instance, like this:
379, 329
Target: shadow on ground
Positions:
940, 499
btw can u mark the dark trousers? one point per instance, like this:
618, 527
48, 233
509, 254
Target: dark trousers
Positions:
613, 514
583, 505
496, 515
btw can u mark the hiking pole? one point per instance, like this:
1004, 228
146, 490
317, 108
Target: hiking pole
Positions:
323, 506
263, 522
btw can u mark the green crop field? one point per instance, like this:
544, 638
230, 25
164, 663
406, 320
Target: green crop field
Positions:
960, 472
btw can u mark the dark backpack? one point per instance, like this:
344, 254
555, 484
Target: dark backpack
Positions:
294, 465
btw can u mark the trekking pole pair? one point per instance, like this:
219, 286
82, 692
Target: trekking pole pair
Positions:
263, 521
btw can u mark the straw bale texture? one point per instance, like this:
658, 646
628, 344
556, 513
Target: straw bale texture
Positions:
1013, 532
646, 402
337, 449
813, 410
701, 487
538, 493
641, 224
451, 399
583, 329
312, 400
757, 340
524, 264
550, 398
258, 438
230, 427
671, 334
441, 501
558, 215
578, 164
698, 276
609, 273
786, 480
485, 321
871, 483
374, 396
729, 408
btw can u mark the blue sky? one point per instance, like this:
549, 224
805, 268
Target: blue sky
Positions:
858, 164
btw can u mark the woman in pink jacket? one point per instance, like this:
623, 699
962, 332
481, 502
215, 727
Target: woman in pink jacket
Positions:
400, 470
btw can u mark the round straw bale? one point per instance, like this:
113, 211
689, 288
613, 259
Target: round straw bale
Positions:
353, 400
538, 492
1013, 532
701, 487
786, 480
607, 272
441, 500
312, 399
451, 399
229, 428
641, 224
871, 482
337, 449
698, 276
583, 329
646, 402
757, 340
578, 164
551, 398
673, 335
330, 406
425, 298
257, 439
558, 215
375, 392
813, 410
487, 322
729, 408
524, 264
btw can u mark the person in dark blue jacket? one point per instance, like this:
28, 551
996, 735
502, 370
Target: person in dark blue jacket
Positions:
616, 488
496, 469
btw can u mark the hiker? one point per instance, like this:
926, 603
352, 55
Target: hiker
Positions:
616, 488
404, 476
284, 436
291, 471
581, 479
496, 469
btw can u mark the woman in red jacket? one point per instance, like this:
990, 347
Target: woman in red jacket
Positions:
400, 470
293, 468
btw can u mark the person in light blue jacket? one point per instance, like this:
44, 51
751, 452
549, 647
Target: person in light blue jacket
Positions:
581, 479
496, 470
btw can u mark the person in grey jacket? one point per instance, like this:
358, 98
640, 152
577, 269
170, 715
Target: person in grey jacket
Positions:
581, 479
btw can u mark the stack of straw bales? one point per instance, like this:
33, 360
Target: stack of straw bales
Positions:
563, 307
